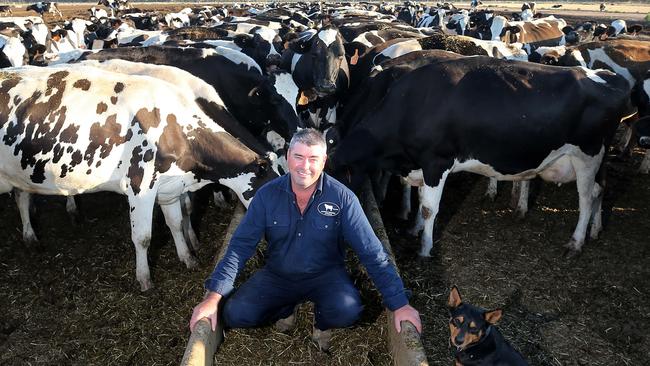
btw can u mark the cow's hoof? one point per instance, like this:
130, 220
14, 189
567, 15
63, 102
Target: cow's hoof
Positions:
571, 253
30, 240
520, 215
146, 285
190, 262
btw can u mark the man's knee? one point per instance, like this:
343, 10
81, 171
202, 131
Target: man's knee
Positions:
339, 315
238, 314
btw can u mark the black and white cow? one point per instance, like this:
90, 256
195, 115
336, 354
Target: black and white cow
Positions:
319, 67
74, 129
12, 49
6, 10
548, 31
628, 58
257, 101
587, 107
43, 7
116, 6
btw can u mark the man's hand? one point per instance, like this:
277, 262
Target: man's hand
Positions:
407, 312
206, 309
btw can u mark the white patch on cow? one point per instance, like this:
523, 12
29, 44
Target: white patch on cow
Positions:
266, 33
192, 85
498, 23
401, 48
287, 88
361, 38
276, 141
499, 49
619, 25
328, 36
156, 39
526, 15
222, 43
600, 55
234, 56
13, 49
294, 61
239, 185
556, 167
65, 57
593, 75
577, 55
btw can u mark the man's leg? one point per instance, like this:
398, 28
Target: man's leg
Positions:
261, 300
337, 304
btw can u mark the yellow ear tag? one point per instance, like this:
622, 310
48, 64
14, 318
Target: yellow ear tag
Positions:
303, 99
355, 57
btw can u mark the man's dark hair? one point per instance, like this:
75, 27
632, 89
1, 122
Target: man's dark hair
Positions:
309, 137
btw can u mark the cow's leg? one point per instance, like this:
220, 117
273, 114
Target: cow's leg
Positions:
174, 219
598, 194
188, 230
430, 202
586, 168
596, 211
418, 225
644, 168
24, 200
491, 188
406, 199
519, 197
625, 145
141, 220
380, 182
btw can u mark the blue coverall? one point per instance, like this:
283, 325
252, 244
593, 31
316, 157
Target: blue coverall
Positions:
304, 259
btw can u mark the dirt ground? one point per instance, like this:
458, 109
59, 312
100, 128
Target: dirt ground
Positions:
74, 300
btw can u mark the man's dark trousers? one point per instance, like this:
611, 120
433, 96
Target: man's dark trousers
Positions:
267, 297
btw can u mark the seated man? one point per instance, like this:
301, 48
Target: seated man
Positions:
305, 216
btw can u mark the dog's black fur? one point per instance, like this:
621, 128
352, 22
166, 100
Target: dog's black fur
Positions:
476, 339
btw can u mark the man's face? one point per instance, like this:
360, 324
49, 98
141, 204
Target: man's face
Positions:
306, 164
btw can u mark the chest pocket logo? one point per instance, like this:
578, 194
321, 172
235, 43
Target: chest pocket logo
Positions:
328, 209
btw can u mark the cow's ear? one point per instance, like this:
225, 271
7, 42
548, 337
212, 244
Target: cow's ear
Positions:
568, 29
243, 40
302, 44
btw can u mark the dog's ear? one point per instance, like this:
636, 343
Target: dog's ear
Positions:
493, 316
454, 298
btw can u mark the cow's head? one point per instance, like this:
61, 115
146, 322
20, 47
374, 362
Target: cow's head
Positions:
278, 95
327, 53
34, 49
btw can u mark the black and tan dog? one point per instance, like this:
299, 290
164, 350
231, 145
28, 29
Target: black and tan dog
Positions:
477, 340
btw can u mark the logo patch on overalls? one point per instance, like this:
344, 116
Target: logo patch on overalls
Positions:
328, 209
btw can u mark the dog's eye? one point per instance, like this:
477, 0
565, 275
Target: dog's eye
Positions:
474, 330
456, 322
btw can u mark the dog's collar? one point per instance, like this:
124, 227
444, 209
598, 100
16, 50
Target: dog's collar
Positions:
478, 350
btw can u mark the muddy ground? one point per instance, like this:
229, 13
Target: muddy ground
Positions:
74, 300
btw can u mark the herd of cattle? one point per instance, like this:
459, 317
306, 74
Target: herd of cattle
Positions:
153, 106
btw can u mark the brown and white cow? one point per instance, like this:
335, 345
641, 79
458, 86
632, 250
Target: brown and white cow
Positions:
74, 129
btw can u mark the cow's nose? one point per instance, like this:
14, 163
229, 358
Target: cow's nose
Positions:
326, 87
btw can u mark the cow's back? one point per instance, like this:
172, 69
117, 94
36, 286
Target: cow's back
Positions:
68, 130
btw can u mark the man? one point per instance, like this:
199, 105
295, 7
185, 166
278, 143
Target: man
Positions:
305, 216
